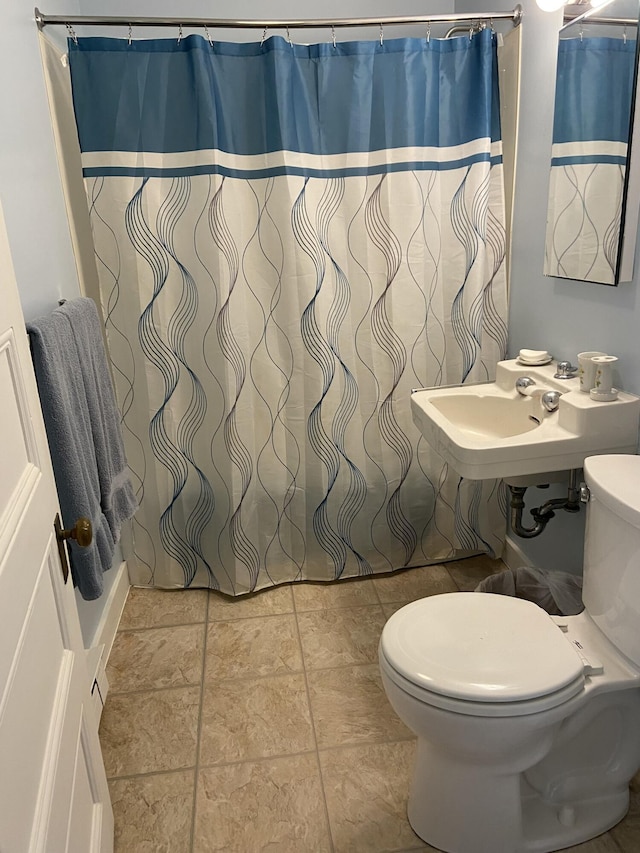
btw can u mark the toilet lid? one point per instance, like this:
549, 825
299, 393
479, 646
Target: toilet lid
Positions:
480, 647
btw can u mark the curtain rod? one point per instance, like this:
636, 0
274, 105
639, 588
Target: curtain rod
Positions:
43, 20
586, 18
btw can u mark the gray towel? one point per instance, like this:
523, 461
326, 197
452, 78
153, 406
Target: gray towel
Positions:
84, 436
117, 497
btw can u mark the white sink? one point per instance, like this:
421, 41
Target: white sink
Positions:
489, 430
487, 415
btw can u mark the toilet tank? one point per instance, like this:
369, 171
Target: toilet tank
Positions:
611, 582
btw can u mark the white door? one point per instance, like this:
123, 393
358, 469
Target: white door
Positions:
53, 789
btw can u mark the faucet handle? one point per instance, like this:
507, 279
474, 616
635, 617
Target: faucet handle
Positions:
551, 400
565, 370
522, 383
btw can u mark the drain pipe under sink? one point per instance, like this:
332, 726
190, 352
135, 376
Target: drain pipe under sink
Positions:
542, 515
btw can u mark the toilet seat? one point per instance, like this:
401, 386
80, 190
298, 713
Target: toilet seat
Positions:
484, 655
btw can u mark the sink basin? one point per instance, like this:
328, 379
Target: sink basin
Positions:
487, 415
489, 430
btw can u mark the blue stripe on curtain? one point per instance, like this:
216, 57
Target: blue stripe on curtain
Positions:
166, 96
593, 95
217, 169
583, 159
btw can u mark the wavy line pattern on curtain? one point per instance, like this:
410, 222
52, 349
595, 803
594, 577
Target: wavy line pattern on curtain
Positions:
269, 309
589, 154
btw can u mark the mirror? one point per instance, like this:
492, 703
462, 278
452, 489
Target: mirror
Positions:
589, 192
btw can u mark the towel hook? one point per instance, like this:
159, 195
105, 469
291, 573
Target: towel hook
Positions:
206, 32
179, 33
72, 33
381, 35
333, 36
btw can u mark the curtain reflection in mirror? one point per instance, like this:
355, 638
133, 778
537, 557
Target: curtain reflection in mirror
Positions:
590, 137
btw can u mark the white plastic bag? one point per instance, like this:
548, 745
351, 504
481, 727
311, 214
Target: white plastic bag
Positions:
559, 593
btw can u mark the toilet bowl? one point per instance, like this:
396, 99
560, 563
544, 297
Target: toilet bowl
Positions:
528, 725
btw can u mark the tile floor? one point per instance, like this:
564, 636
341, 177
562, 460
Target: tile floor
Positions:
261, 724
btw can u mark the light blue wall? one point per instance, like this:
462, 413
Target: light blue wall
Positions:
31, 192
30, 186
562, 316
275, 10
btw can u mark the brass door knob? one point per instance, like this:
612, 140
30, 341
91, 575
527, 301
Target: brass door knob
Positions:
82, 533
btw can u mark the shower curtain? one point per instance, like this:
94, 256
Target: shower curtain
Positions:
289, 239
594, 86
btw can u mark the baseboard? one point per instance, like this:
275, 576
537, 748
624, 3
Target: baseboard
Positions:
513, 555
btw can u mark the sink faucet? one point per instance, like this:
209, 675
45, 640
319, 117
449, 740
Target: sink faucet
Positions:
549, 400
565, 370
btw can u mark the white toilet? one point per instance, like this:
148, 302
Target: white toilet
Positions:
528, 725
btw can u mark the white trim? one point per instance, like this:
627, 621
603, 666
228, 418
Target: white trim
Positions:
599, 147
292, 159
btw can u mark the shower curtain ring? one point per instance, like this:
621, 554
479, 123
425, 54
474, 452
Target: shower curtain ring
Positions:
206, 32
179, 33
333, 36
72, 33
428, 32
129, 38
264, 36
381, 35
470, 32
624, 35
289, 38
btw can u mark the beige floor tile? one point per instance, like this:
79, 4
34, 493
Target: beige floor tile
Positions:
156, 657
393, 607
468, 573
267, 602
156, 608
327, 596
411, 584
153, 814
601, 844
150, 732
627, 835
255, 718
349, 706
627, 832
367, 789
332, 638
274, 805
265, 645
422, 849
